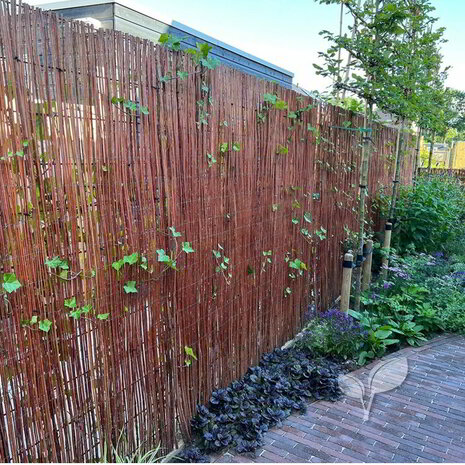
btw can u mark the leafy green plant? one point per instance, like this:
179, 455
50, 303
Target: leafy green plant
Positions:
190, 355
129, 105
379, 336
430, 215
170, 41
211, 160
222, 263
267, 259
282, 150
137, 456
333, 334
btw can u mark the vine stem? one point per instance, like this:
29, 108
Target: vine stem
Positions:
68, 279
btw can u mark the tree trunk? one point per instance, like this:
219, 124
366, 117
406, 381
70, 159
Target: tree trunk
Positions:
452, 155
430, 159
395, 182
366, 155
417, 157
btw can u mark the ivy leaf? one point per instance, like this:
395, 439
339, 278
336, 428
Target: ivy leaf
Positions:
64, 275
204, 49
55, 262
144, 110
10, 282
216, 254
280, 105
71, 302
45, 325
130, 287
163, 39
236, 146
143, 264
76, 314
282, 150
186, 247
270, 98
174, 232
118, 265
308, 217
295, 221
224, 147
86, 309
275, 207
33, 320
131, 259
210, 62
162, 257
166, 78
182, 75
103, 316
250, 270
297, 264
190, 352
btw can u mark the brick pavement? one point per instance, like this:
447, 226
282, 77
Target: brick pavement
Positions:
422, 420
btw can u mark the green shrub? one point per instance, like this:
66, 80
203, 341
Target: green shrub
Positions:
430, 214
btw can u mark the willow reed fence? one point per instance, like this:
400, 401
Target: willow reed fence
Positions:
92, 351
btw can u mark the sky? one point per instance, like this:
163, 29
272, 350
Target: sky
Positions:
286, 32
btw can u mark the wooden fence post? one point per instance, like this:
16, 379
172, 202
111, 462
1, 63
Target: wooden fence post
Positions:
368, 254
346, 282
386, 247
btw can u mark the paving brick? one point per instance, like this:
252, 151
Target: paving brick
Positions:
273, 457
276, 450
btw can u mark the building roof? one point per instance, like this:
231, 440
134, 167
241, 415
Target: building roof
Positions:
149, 13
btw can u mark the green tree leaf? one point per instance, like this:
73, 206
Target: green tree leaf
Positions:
103, 316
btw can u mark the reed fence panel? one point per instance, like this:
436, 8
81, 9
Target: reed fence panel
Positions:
91, 181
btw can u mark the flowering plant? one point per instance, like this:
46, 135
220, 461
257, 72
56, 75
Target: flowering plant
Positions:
333, 333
